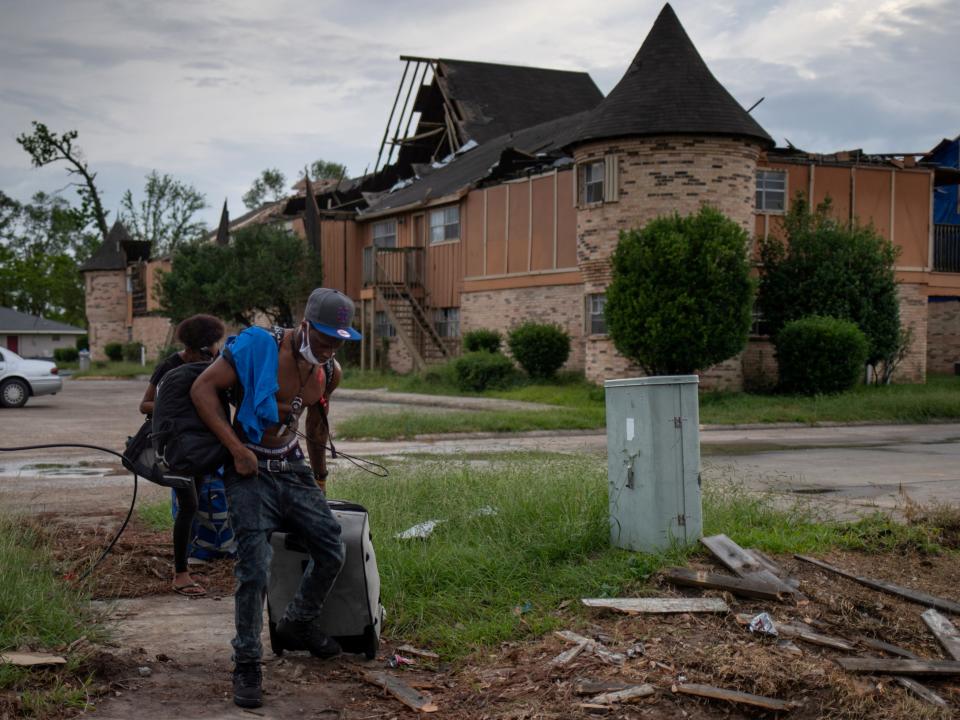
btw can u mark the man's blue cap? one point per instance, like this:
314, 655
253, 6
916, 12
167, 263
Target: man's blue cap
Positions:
330, 312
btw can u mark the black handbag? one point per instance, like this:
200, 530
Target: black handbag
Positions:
139, 457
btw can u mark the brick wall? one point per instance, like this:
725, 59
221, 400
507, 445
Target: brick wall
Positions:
661, 176
152, 332
503, 310
943, 334
759, 365
106, 308
913, 315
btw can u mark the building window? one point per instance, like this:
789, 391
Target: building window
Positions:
445, 224
760, 326
447, 322
54, 338
596, 322
382, 327
591, 182
385, 234
771, 190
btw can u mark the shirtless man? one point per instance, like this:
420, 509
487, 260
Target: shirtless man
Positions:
269, 484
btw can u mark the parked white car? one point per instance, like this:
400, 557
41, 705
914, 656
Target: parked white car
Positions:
19, 379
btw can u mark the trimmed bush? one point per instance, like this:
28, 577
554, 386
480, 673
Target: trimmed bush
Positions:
820, 355
477, 340
83, 342
540, 349
113, 351
481, 370
66, 355
166, 351
131, 351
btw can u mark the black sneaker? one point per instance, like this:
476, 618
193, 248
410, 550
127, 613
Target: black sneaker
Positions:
294, 635
247, 679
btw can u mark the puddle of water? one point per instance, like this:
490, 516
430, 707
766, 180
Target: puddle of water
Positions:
74, 469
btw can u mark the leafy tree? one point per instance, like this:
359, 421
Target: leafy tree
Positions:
46, 147
271, 185
324, 170
822, 266
167, 214
681, 293
267, 269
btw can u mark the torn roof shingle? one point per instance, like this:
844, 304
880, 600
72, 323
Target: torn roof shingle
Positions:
668, 90
117, 250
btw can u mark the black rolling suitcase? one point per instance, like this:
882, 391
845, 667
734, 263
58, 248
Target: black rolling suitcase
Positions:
352, 613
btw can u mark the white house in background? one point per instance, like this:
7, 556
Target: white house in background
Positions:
32, 336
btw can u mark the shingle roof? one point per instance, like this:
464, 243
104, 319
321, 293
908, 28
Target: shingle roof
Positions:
668, 90
496, 99
13, 322
117, 250
468, 169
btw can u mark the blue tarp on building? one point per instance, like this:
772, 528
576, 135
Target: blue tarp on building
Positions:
946, 198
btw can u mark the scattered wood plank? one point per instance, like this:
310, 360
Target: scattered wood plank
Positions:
921, 692
411, 650
734, 696
585, 686
885, 666
717, 581
741, 562
400, 690
594, 708
886, 647
803, 632
31, 659
945, 632
768, 563
634, 692
567, 656
614, 658
637, 606
921, 598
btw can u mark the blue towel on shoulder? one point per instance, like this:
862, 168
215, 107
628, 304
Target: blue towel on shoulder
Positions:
253, 354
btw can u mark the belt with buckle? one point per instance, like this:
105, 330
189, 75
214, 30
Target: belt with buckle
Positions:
275, 466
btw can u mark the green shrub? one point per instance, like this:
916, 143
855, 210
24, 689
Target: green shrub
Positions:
66, 355
114, 351
540, 349
477, 340
820, 355
131, 351
478, 371
83, 342
166, 351
680, 296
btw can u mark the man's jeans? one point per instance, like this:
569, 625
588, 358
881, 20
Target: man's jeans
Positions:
290, 502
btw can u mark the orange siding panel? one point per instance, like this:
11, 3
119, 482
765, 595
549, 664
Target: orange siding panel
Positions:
443, 281
872, 199
518, 241
496, 230
566, 221
542, 255
472, 231
911, 224
833, 182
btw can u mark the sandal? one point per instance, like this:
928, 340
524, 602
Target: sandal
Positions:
193, 589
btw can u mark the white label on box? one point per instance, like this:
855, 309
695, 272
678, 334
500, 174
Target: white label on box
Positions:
629, 429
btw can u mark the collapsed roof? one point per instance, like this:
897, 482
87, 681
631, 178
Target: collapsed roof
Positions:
117, 250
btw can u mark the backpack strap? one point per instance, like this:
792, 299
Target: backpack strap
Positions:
278, 335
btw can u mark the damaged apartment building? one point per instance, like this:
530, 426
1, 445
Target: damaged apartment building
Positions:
499, 193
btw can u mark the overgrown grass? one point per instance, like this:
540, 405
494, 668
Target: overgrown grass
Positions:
484, 578
156, 515
40, 611
103, 368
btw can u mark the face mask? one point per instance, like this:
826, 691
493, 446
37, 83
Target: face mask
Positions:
305, 347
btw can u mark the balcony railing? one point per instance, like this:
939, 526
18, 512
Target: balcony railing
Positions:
946, 248
383, 266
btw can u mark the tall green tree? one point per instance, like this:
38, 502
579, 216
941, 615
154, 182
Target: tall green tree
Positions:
820, 265
326, 170
46, 147
271, 185
680, 296
265, 270
166, 215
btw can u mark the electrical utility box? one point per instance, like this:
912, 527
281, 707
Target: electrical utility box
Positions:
653, 461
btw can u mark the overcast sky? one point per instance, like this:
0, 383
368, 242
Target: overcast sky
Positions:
212, 92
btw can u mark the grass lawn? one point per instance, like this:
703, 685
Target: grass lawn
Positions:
103, 368
581, 406
521, 535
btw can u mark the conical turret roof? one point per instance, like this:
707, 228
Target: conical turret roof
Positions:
667, 90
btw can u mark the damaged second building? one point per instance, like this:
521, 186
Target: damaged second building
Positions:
500, 191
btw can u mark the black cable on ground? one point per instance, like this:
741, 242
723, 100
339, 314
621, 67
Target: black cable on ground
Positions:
133, 501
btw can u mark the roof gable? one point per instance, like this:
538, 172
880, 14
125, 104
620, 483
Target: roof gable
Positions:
14, 321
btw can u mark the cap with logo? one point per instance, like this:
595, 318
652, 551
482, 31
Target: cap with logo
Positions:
331, 312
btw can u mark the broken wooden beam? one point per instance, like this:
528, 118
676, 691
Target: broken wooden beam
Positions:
400, 690
717, 581
945, 632
27, 659
567, 656
598, 649
739, 561
637, 606
922, 692
886, 647
799, 631
635, 692
585, 686
921, 598
734, 696
885, 666
768, 563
